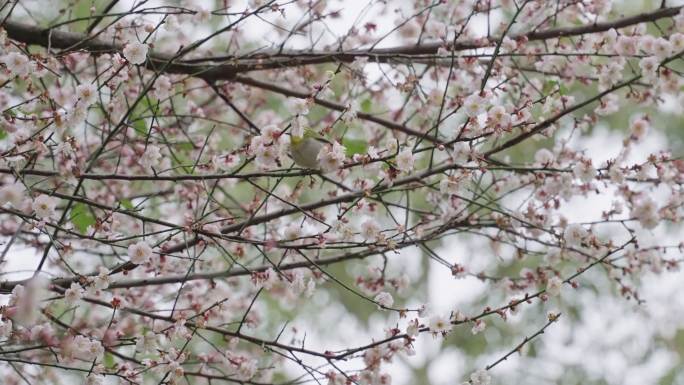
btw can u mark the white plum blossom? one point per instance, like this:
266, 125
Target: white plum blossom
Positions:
175, 369
616, 174
139, 253
297, 284
61, 120
646, 43
331, 158
508, 44
413, 328
16, 63
171, 23
639, 129
136, 53
148, 342
87, 93
270, 134
44, 206
94, 379
543, 157
478, 327
73, 294
335, 378
574, 234
292, 231
439, 324
451, 185
372, 152
480, 377
649, 67
151, 158
645, 171
460, 152
553, 286
437, 30
266, 155
608, 105
553, 256
226, 162
611, 73
405, 160
101, 280
5, 328
384, 299
265, 279
256, 3
474, 105
370, 230
626, 45
351, 114
13, 194
584, 171
86, 348
677, 41
247, 369
645, 210
163, 87
300, 106
498, 117
202, 16
662, 48
342, 231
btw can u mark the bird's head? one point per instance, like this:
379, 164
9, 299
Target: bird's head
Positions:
308, 134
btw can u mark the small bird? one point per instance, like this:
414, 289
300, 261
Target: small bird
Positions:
304, 149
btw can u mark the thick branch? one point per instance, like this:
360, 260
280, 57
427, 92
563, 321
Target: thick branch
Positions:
282, 59
31, 34
232, 65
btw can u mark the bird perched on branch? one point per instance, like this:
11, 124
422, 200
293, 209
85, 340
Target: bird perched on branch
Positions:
304, 149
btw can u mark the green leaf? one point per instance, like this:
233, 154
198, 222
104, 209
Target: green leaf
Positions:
549, 86
140, 127
81, 217
146, 107
366, 105
355, 146
185, 146
3, 134
108, 360
552, 85
127, 204
81, 10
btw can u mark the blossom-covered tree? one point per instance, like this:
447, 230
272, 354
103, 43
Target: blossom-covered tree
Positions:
263, 192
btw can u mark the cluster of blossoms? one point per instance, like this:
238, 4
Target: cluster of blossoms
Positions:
269, 147
182, 205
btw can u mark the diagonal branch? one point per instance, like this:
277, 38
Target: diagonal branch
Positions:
334, 106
